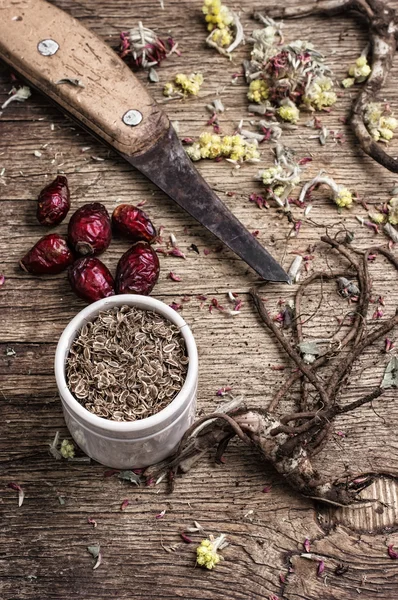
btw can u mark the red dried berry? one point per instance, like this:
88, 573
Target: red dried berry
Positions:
49, 256
90, 279
133, 223
54, 202
137, 270
89, 229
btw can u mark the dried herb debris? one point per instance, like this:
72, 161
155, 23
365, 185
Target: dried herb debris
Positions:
127, 364
285, 78
143, 48
226, 31
382, 22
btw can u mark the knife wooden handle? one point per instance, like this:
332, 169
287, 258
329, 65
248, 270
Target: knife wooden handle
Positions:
110, 89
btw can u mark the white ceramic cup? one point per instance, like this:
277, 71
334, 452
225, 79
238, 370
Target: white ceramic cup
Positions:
133, 444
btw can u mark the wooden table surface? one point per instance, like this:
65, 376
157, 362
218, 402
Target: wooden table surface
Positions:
43, 544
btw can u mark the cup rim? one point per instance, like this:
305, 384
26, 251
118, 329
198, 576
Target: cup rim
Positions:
163, 417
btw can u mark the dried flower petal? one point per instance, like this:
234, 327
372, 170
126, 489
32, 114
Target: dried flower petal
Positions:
124, 504
223, 390
92, 522
267, 489
186, 538
17, 488
175, 306
321, 568
391, 552
389, 345
378, 313
174, 276
307, 545
2, 279
177, 253
161, 514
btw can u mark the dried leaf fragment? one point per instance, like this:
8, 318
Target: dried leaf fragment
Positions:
95, 552
390, 378
130, 476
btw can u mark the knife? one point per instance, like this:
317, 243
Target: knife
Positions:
88, 81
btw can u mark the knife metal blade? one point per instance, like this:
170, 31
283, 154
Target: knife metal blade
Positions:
167, 165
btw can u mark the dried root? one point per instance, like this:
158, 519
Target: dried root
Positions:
383, 34
291, 441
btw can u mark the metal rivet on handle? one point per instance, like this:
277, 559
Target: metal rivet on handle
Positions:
132, 117
47, 47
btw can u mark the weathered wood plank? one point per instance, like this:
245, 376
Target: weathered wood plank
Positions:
43, 544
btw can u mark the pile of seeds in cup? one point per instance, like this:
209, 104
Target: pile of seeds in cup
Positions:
127, 364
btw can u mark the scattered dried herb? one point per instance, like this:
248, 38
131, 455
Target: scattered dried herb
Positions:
381, 21
207, 552
284, 77
183, 85
127, 364
144, 49
226, 31
17, 95
67, 449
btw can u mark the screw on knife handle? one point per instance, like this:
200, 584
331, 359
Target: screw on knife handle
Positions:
80, 73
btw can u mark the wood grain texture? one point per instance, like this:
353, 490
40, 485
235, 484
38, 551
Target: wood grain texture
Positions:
43, 544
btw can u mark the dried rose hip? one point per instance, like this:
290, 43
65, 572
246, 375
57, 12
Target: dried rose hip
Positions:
90, 279
137, 270
49, 256
133, 223
89, 229
54, 202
